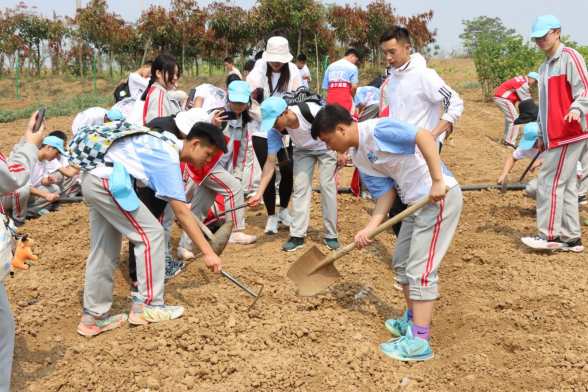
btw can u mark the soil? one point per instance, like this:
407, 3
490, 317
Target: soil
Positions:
508, 319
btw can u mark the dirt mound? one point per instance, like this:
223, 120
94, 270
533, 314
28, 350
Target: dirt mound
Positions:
507, 319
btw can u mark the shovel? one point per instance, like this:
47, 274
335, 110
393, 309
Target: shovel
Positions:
314, 272
219, 240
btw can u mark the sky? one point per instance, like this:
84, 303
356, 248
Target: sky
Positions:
517, 14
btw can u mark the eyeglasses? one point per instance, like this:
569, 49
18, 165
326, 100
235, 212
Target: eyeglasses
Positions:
544, 37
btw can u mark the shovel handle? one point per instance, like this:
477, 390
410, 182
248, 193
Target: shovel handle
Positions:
225, 212
384, 226
229, 277
203, 227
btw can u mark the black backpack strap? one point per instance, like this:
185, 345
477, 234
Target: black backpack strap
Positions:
305, 111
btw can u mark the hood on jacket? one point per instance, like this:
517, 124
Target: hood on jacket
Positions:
417, 61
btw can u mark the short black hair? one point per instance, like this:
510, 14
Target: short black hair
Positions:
59, 134
396, 32
209, 135
229, 60
279, 32
249, 65
149, 63
353, 52
327, 119
231, 78
301, 57
258, 55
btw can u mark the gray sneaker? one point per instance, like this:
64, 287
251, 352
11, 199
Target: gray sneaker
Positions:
293, 244
172, 268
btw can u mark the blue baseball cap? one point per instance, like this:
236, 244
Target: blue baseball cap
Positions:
114, 115
271, 108
55, 142
533, 75
529, 138
543, 24
239, 91
121, 188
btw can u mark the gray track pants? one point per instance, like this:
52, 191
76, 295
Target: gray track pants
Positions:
6, 340
304, 164
202, 196
108, 222
557, 195
511, 131
17, 202
422, 242
37, 203
68, 186
251, 170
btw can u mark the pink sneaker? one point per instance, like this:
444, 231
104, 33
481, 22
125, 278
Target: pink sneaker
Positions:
238, 237
91, 326
185, 254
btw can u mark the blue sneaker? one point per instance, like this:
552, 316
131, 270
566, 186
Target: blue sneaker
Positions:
407, 348
172, 268
399, 326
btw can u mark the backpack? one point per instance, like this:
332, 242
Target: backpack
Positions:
122, 91
378, 81
88, 147
301, 97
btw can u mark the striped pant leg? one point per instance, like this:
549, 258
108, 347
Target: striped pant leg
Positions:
6, 340
17, 202
432, 232
583, 185
557, 193
201, 198
108, 221
222, 182
511, 131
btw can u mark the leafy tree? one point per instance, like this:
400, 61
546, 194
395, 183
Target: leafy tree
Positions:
58, 32
33, 29
421, 36
189, 21
482, 29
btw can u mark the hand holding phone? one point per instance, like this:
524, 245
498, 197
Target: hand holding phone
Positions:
228, 115
39, 121
190, 98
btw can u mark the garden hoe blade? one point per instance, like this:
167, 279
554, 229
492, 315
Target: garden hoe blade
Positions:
220, 239
311, 283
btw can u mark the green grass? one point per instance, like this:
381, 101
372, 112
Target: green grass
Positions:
66, 108
471, 85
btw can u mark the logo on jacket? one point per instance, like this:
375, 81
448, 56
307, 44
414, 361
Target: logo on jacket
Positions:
371, 156
555, 72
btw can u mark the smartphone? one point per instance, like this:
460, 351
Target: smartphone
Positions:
190, 98
40, 117
231, 115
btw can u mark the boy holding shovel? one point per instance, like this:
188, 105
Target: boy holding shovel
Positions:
393, 158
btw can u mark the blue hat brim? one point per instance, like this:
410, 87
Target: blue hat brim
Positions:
65, 154
527, 144
240, 98
267, 124
539, 33
128, 203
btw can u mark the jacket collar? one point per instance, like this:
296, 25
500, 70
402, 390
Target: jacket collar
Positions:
557, 52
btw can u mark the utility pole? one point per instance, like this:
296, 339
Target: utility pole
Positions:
142, 6
79, 4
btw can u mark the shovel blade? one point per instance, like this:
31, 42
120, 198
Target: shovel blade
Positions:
220, 239
312, 284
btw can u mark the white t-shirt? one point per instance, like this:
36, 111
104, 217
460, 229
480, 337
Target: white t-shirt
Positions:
387, 157
92, 116
137, 84
519, 154
305, 71
38, 173
56, 164
301, 136
150, 160
275, 80
235, 71
212, 97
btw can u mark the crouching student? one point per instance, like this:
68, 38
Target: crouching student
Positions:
94, 116
222, 176
297, 121
116, 210
67, 176
526, 149
396, 158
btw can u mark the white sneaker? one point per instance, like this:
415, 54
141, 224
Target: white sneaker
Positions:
366, 195
185, 254
538, 242
285, 217
272, 225
239, 237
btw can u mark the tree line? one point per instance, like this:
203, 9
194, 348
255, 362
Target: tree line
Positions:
191, 32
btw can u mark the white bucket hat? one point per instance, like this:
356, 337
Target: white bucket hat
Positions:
277, 51
186, 120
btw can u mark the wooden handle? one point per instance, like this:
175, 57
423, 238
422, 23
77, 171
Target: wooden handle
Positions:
384, 226
203, 227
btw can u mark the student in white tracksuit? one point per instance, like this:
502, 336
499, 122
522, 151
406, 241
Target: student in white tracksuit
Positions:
297, 121
14, 173
390, 164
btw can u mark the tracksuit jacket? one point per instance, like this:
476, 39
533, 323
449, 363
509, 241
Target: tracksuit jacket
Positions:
563, 89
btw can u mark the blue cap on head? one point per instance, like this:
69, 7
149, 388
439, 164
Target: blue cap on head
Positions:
239, 91
543, 24
114, 115
271, 108
533, 75
530, 136
55, 142
121, 188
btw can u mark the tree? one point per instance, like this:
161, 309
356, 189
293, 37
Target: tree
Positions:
421, 36
482, 29
229, 23
189, 21
380, 15
33, 29
58, 32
